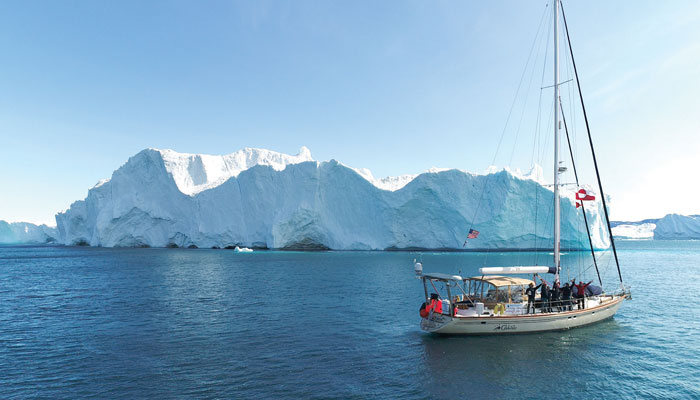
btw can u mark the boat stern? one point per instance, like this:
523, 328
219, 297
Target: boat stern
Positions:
435, 322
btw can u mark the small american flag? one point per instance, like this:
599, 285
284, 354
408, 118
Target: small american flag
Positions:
472, 235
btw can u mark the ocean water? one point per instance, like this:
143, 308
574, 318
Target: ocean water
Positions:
178, 323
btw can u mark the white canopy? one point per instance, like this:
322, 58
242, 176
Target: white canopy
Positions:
516, 270
498, 281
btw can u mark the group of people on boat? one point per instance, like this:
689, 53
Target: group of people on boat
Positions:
556, 297
552, 298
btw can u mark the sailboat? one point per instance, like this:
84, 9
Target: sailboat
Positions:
495, 301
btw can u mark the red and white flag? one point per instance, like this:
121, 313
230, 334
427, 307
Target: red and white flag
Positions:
583, 194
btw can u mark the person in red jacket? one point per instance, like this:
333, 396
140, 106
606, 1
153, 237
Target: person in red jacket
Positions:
581, 292
424, 310
435, 304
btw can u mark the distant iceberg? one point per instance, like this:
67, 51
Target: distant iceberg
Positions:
678, 227
670, 227
26, 233
263, 199
639, 231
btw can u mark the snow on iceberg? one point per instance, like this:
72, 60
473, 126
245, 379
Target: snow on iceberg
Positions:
26, 233
194, 173
634, 231
260, 198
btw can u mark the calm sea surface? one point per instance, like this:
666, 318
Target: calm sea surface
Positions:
176, 323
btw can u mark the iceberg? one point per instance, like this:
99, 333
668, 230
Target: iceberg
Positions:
678, 227
263, 199
26, 233
637, 231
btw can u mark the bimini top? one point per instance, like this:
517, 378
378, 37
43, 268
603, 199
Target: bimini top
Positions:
443, 277
497, 280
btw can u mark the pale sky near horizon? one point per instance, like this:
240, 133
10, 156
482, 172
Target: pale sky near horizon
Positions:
397, 87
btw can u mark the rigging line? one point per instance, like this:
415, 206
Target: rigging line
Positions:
538, 138
569, 92
544, 146
607, 268
537, 191
583, 209
544, 149
527, 91
572, 111
572, 139
590, 141
524, 107
560, 84
532, 162
544, 67
538, 124
505, 127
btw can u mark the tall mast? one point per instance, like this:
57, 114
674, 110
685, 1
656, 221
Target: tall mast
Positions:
557, 216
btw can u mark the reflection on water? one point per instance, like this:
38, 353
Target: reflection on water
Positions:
503, 364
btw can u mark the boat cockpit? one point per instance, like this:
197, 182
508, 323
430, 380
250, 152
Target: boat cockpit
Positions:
478, 295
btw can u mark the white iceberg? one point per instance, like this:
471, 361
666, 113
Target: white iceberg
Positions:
641, 231
26, 233
260, 198
678, 227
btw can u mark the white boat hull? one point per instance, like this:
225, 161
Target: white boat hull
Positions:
508, 324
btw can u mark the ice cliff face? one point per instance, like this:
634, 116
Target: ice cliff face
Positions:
24, 232
259, 198
678, 227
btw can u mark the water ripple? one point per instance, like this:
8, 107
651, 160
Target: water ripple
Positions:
177, 323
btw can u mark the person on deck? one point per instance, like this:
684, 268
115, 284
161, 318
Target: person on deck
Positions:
566, 297
531, 291
545, 296
435, 304
423, 312
581, 293
555, 296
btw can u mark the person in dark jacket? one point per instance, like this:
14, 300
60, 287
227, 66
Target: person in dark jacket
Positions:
555, 294
545, 296
566, 297
531, 291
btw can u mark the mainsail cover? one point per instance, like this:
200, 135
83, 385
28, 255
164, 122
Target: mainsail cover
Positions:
518, 270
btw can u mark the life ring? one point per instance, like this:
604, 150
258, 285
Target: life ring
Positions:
500, 309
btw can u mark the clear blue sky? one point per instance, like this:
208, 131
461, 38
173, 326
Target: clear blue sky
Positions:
393, 86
